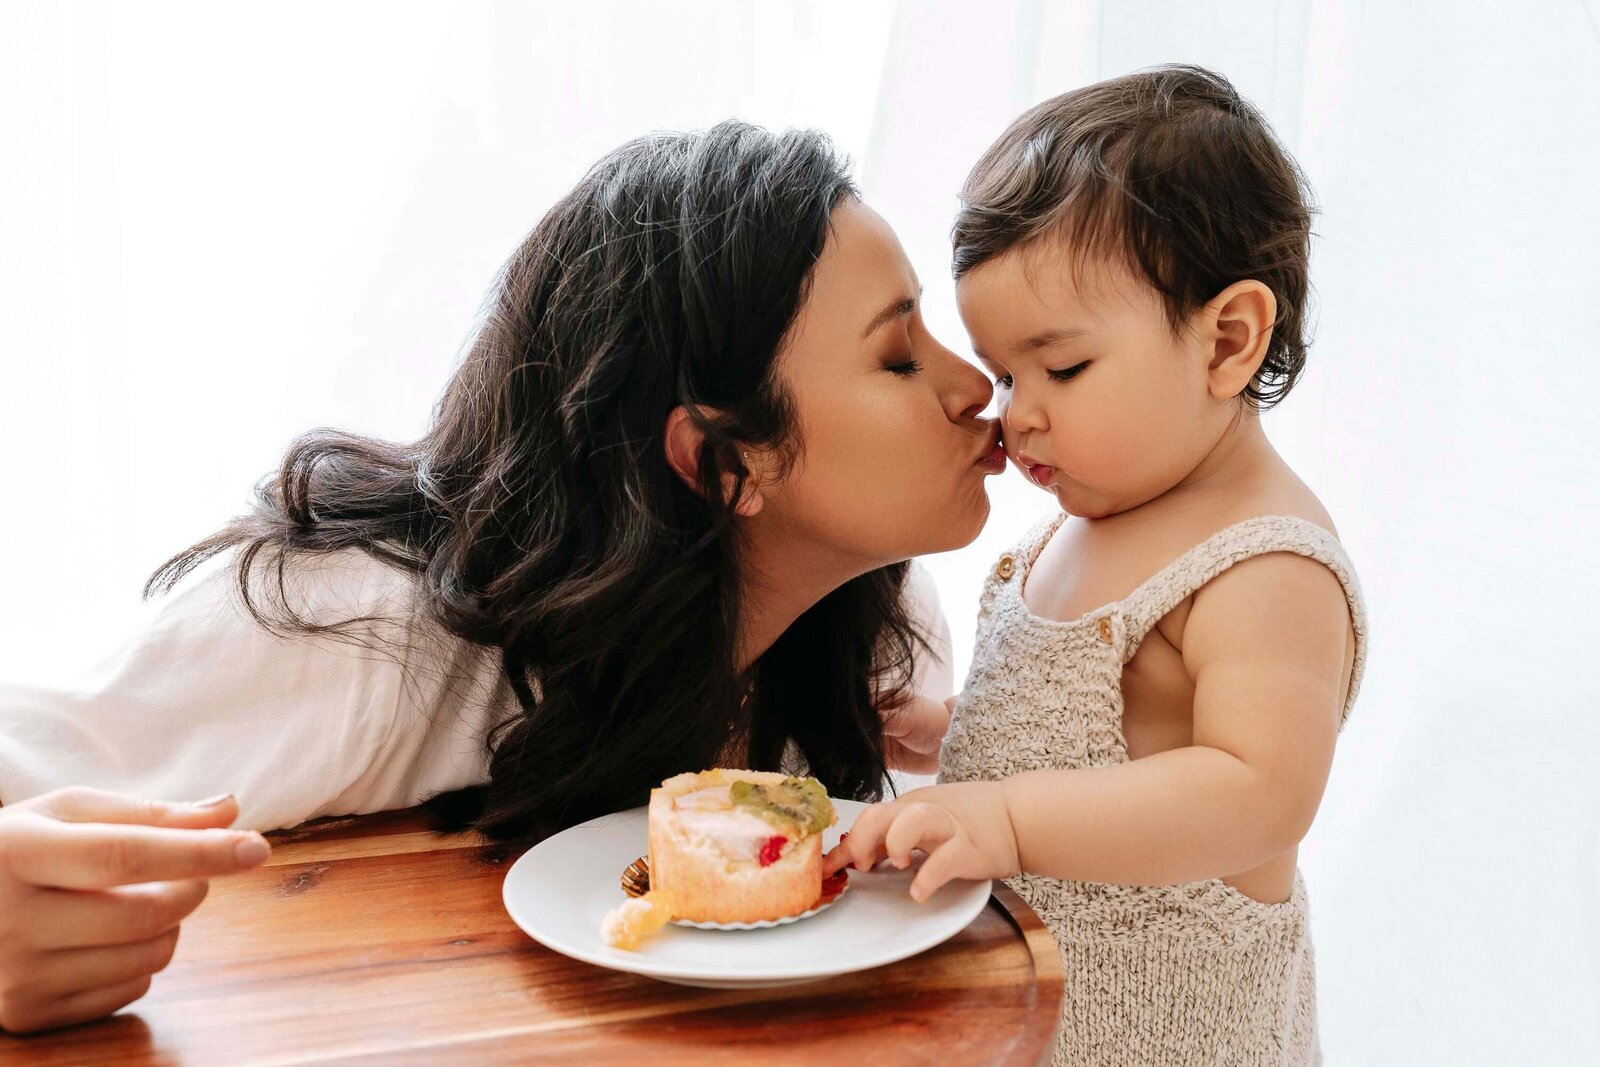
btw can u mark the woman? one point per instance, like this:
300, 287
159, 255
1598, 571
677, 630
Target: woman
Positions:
659, 523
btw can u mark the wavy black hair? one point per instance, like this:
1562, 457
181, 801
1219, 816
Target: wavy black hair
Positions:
540, 517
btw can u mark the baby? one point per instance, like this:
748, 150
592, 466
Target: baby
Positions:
1160, 671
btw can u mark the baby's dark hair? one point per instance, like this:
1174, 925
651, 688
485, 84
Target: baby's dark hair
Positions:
1169, 169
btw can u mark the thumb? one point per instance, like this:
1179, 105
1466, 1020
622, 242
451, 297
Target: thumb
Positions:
921, 725
84, 804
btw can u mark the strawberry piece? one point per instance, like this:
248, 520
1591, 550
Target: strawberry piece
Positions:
770, 850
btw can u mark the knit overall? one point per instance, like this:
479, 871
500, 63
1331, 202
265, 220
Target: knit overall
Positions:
1187, 974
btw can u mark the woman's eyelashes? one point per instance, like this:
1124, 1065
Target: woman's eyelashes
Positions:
904, 368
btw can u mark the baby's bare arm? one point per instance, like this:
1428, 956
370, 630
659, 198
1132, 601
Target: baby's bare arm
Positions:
1264, 645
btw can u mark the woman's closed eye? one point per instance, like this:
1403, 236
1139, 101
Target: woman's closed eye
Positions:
904, 368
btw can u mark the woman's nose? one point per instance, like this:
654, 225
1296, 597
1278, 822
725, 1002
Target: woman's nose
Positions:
969, 390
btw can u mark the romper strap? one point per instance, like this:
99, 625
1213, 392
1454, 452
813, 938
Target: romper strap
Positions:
1028, 549
1178, 580
1017, 560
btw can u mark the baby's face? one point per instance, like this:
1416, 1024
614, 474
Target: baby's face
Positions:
1100, 404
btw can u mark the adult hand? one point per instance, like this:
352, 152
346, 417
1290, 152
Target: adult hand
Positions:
93, 886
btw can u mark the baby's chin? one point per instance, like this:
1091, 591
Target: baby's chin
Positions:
1074, 501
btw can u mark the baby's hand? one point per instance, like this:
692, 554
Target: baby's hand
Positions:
912, 733
963, 827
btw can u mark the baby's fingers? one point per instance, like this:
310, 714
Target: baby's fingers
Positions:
943, 864
919, 825
862, 847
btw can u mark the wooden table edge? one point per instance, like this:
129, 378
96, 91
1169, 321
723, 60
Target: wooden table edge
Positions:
1044, 1021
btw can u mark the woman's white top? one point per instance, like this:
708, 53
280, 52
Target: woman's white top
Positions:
203, 700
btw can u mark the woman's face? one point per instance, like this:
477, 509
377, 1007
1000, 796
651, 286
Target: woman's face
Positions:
892, 454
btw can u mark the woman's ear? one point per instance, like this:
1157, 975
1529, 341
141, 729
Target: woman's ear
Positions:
1237, 329
683, 440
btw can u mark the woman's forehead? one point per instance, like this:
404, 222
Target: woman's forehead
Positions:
862, 270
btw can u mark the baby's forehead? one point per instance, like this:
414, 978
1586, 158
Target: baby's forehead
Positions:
1086, 283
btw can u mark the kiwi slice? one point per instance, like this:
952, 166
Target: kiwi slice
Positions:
801, 803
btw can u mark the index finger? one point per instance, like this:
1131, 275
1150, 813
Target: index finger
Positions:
861, 845
60, 855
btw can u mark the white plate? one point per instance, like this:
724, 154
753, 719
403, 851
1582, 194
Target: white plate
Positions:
560, 889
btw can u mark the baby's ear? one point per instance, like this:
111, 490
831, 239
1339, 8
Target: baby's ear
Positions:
1236, 327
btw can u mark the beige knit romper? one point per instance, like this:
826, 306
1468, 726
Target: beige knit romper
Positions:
1186, 974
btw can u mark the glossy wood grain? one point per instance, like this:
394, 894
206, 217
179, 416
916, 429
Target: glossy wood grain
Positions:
372, 940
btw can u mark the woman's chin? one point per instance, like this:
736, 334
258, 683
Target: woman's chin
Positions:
952, 534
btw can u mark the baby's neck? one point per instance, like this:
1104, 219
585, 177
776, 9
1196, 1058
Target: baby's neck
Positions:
1238, 466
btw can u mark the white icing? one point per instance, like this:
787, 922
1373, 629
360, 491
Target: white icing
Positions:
738, 834
716, 797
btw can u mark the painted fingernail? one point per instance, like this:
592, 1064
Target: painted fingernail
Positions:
212, 802
252, 850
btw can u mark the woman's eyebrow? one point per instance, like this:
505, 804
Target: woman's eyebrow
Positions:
896, 309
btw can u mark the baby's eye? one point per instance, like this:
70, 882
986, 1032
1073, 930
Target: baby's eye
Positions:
1003, 381
1068, 374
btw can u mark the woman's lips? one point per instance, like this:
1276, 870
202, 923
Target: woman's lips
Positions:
994, 462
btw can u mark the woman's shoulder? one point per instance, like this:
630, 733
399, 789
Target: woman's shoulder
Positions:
376, 713
288, 591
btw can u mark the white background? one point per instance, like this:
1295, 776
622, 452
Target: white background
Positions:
223, 224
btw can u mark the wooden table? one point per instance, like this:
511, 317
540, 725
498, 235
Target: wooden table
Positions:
373, 940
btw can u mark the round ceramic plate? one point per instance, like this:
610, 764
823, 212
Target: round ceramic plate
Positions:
561, 889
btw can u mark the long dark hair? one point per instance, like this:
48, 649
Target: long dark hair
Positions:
541, 518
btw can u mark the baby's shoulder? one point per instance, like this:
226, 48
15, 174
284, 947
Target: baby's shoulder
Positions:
1261, 554
1303, 505
1275, 563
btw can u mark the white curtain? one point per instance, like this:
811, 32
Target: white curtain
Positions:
222, 225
